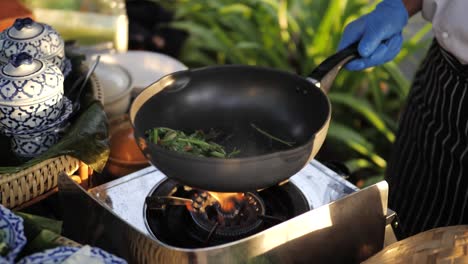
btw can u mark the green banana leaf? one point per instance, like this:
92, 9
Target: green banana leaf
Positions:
41, 233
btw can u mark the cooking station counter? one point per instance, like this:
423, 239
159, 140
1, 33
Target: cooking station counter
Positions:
335, 221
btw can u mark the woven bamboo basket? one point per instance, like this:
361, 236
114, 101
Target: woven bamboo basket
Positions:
35, 183
440, 245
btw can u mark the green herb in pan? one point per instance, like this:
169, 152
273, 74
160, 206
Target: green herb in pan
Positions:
197, 143
289, 144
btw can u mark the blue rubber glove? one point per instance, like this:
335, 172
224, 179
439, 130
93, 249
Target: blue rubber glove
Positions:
379, 34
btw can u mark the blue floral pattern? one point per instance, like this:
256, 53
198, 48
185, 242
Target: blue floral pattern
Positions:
45, 84
65, 113
30, 143
60, 254
12, 226
29, 103
59, 60
46, 45
34, 144
31, 117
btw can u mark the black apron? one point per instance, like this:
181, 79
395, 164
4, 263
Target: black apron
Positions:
428, 170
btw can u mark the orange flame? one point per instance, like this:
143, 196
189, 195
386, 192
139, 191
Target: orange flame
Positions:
227, 201
189, 207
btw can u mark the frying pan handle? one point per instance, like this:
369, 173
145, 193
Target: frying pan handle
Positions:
324, 75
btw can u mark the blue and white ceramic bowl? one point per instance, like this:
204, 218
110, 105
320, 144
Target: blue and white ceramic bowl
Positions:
28, 144
65, 113
39, 40
31, 93
12, 232
34, 144
60, 254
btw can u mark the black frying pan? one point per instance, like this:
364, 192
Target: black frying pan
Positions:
231, 99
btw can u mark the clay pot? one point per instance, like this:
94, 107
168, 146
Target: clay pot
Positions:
125, 156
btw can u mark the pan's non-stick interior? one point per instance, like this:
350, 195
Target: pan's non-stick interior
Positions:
233, 99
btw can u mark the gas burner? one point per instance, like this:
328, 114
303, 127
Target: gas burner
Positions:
235, 215
185, 217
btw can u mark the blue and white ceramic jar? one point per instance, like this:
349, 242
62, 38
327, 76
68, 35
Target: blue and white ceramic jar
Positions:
39, 40
35, 143
31, 93
31, 143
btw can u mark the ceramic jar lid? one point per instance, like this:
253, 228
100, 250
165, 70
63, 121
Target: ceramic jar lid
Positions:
39, 40
25, 80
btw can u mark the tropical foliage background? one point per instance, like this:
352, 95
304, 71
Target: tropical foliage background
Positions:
296, 35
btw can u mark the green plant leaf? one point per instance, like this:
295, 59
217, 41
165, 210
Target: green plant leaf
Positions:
377, 94
356, 142
237, 8
203, 34
248, 45
321, 43
358, 164
363, 107
402, 84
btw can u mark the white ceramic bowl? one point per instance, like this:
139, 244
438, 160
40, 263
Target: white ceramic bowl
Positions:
116, 84
145, 67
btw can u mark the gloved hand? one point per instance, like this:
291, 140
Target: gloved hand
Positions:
379, 34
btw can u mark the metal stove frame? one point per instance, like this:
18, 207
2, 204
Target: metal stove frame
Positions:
344, 224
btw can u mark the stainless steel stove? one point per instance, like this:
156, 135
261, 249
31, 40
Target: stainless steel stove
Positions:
146, 218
